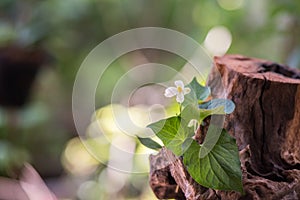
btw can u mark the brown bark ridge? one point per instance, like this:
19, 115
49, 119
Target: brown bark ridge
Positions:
265, 123
170, 180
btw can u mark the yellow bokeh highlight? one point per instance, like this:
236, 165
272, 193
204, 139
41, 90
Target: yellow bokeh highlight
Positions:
77, 160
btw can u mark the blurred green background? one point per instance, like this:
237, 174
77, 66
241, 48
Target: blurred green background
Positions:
58, 35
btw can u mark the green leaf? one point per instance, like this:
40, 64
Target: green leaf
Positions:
220, 168
220, 106
205, 112
150, 143
190, 112
201, 92
198, 92
173, 132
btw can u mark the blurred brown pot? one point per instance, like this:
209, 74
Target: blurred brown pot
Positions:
18, 69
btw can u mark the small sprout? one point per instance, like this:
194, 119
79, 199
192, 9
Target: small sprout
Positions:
194, 123
179, 91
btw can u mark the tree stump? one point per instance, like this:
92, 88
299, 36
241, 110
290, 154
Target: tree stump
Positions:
265, 123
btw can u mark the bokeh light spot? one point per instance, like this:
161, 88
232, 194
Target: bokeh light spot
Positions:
231, 4
77, 160
218, 40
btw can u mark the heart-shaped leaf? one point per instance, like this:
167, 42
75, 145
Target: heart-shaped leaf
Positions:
220, 168
173, 132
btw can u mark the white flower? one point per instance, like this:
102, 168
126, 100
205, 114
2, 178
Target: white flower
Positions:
179, 91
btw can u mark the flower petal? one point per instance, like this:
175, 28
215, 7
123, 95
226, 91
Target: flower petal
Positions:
180, 97
171, 91
179, 83
186, 90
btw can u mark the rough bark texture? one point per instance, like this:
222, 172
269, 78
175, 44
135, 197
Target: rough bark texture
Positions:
170, 180
265, 123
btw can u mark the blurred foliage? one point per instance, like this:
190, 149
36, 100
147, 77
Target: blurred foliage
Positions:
43, 133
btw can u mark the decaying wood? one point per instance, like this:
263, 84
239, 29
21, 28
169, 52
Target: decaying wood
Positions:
265, 123
169, 179
161, 181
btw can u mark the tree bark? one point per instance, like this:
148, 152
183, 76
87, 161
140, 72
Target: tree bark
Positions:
265, 123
